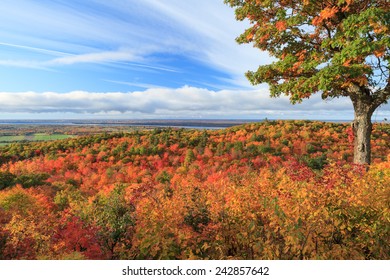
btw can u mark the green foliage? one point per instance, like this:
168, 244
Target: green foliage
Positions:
18, 202
32, 180
257, 137
7, 179
164, 177
197, 215
114, 216
265, 149
189, 158
68, 198
317, 163
310, 149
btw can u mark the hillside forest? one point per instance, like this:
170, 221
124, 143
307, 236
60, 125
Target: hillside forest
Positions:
269, 190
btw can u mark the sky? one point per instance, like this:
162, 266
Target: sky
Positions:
131, 59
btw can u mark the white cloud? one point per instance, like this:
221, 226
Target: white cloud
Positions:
23, 64
180, 102
98, 57
39, 50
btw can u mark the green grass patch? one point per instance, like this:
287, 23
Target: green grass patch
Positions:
48, 137
6, 140
12, 138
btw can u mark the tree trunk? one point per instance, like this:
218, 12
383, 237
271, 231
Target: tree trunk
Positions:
362, 127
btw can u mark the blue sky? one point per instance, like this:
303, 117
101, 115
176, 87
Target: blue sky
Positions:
136, 59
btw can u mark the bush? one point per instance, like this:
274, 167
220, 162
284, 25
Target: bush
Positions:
7, 179
316, 163
32, 180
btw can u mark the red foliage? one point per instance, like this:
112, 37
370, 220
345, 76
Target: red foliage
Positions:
72, 235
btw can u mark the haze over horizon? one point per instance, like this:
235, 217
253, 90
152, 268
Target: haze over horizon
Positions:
137, 59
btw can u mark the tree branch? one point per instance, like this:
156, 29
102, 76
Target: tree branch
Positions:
382, 95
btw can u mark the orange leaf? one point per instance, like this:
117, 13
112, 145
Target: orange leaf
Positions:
281, 25
249, 36
379, 53
328, 12
347, 62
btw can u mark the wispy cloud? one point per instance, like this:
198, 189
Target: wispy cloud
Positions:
34, 49
135, 84
29, 64
214, 29
68, 59
98, 57
126, 31
124, 57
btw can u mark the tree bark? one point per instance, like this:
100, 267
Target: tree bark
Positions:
362, 127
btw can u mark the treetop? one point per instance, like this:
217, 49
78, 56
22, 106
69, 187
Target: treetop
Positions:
330, 47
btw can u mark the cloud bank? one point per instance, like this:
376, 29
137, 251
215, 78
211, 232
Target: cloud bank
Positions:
181, 102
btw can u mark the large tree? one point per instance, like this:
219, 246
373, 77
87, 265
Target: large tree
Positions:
333, 47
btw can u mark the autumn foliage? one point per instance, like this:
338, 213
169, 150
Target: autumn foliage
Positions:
333, 48
271, 190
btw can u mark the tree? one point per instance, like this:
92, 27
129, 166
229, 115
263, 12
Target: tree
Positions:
335, 48
114, 215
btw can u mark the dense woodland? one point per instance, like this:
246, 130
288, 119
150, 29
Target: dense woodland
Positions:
270, 190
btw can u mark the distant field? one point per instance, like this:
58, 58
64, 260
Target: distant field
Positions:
12, 138
5, 140
47, 137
